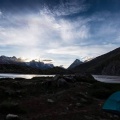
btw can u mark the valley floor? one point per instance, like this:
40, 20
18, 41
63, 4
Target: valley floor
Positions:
60, 98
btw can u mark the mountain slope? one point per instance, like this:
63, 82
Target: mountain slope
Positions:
13, 68
19, 61
75, 63
39, 65
107, 64
17, 65
56, 70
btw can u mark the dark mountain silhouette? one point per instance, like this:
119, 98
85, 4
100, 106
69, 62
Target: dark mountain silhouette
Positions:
56, 70
39, 65
17, 65
107, 64
75, 63
13, 68
19, 61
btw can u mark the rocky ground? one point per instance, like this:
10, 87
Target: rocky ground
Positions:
77, 97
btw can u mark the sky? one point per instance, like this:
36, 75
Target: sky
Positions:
59, 31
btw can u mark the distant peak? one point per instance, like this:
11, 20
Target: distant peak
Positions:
75, 63
2, 56
77, 60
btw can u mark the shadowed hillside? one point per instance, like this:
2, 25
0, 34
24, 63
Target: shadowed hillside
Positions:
107, 64
75, 63
56, 70
12, 68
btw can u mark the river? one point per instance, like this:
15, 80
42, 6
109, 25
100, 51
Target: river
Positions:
26, 76
107, 79
101, 78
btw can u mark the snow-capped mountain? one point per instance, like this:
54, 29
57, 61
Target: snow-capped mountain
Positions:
19, 61
75, 63
39, 64
88, 59
8, 60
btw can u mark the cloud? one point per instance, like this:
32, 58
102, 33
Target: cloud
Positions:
83, 51
70, 53
70, 7
47, 60
31, 29
45, 34
74, 30
0, 13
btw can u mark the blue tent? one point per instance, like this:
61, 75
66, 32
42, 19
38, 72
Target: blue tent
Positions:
112, 104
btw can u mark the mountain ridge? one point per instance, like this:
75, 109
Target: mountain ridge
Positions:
74, 64
19, 61
106, 64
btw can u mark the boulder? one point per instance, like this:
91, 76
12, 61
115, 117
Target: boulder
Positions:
79, 105
70, 79
57, 77
47, 84
12, 117
50, 101
62, 83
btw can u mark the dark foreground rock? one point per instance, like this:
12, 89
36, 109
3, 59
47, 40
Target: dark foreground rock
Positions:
73, 97
12, 117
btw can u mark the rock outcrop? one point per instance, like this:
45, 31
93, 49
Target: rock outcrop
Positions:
12, 117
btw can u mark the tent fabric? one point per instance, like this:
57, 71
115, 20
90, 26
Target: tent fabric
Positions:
112, 104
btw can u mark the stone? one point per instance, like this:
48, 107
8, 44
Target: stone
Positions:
57, 77
47, 84
78, 104
116, 116
50, 100
62, 82
88, 118
69, 79
12, 117
83, 100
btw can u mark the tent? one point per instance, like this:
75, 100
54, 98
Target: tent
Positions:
112, 104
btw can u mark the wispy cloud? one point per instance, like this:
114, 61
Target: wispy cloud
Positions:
82, 51
70, 7
40, 30
46, 34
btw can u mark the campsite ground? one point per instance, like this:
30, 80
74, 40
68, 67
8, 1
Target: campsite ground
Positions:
60, 98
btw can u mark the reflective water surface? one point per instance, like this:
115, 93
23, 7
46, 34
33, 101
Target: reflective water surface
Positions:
26, 76
107, 79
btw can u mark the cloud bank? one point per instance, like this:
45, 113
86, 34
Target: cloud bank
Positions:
48, 34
